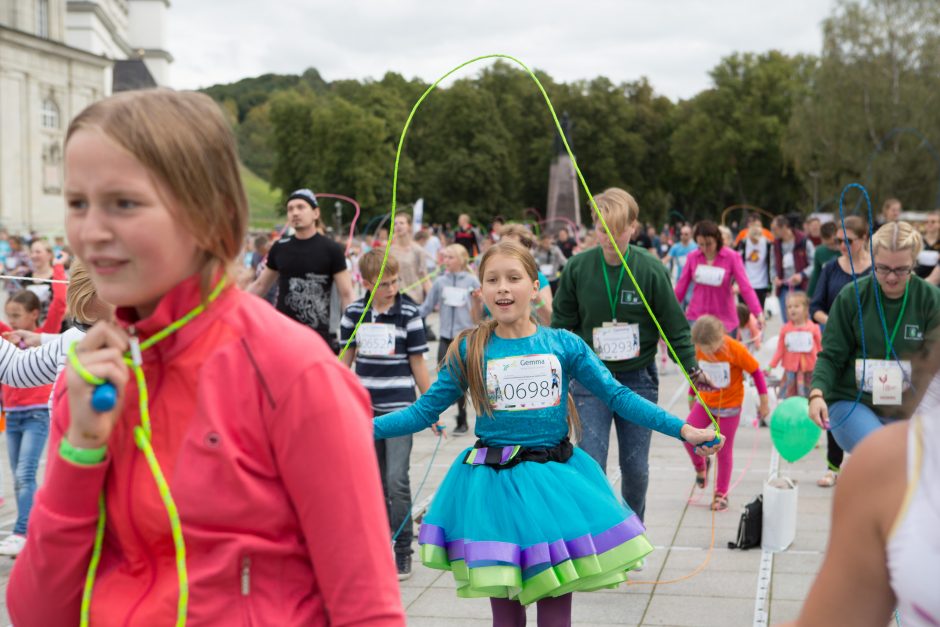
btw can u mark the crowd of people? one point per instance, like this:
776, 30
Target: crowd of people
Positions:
239, 471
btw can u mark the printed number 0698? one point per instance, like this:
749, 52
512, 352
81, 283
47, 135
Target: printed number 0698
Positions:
526, 390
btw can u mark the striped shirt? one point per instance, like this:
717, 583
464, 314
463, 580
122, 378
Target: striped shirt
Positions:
388, 378
34, 368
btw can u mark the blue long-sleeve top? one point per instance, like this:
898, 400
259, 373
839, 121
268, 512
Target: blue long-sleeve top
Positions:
537, 428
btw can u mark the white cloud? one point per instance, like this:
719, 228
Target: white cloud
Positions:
672, 42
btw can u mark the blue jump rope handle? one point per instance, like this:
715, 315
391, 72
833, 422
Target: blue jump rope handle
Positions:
104, 397
714, 442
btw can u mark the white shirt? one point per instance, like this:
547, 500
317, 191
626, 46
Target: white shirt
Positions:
755, 262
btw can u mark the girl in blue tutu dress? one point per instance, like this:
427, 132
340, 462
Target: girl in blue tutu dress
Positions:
523, 516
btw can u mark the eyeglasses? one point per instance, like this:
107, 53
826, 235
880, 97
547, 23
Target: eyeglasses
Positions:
885, 271
840, 240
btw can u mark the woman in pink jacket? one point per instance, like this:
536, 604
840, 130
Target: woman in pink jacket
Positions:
231, 480
712, 268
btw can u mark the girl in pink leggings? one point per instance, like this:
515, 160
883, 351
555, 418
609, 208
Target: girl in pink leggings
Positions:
724, 360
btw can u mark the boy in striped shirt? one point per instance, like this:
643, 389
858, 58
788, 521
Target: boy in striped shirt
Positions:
388, 357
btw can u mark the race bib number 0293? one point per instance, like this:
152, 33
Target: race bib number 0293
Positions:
523, 382
617, 342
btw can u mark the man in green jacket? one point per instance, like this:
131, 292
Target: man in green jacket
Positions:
597, 300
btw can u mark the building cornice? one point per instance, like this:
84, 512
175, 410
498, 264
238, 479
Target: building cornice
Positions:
152, 53
85, 6
166, 2
50, 46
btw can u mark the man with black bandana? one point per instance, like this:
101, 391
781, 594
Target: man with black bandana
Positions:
306, 265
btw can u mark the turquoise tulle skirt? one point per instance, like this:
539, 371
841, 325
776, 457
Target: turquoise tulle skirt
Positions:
531, 531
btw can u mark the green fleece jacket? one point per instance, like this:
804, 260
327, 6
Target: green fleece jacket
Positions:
582, 303
821, 257
842, 345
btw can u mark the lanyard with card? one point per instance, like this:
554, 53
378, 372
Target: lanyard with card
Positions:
615, 341
886, 379
523, 382
711, 276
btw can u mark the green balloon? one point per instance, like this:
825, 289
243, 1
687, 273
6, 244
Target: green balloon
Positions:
793, 433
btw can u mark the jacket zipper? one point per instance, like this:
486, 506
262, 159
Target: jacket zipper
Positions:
246, 590
246, 576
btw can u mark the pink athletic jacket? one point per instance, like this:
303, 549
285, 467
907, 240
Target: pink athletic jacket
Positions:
717, 300
797, 362
265, 439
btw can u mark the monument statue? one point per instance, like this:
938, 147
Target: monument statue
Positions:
563, 207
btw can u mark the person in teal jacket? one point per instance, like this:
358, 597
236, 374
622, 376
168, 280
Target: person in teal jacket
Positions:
522, 516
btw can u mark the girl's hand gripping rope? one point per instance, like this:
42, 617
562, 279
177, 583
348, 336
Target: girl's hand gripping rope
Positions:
96, 363
439, 430
704, 440
701, 380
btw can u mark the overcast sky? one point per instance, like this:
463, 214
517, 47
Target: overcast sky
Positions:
672, 42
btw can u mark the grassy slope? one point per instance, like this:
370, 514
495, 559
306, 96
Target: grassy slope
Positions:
263, 202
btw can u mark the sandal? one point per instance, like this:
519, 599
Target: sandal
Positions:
701, 476
720, 503
827, 480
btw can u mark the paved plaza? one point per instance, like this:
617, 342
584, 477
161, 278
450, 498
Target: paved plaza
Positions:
734, 587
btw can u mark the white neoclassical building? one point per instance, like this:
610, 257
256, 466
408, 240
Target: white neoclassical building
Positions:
56, 57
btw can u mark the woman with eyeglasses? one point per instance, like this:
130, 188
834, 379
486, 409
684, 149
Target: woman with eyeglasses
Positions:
911, 313
836, 274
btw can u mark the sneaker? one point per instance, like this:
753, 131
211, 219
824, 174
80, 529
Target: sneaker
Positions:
461, 429
827, 480
12, 545
403, 563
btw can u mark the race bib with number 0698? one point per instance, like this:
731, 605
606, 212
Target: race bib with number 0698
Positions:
523, 382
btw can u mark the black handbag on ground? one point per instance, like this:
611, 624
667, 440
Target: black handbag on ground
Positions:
749, 529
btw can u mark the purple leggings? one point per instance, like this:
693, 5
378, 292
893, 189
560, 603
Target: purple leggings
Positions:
553, 612
729, 426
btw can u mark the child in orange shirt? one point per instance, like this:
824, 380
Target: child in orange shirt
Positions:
724, 360
799, 343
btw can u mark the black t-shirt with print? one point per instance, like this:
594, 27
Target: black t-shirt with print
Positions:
306, 268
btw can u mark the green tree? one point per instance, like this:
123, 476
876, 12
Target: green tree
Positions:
872, 106
726, 146
461, 151
291, 118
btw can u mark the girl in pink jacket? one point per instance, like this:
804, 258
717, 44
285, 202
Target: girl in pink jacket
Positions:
797, 346
711, 269
230, 478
